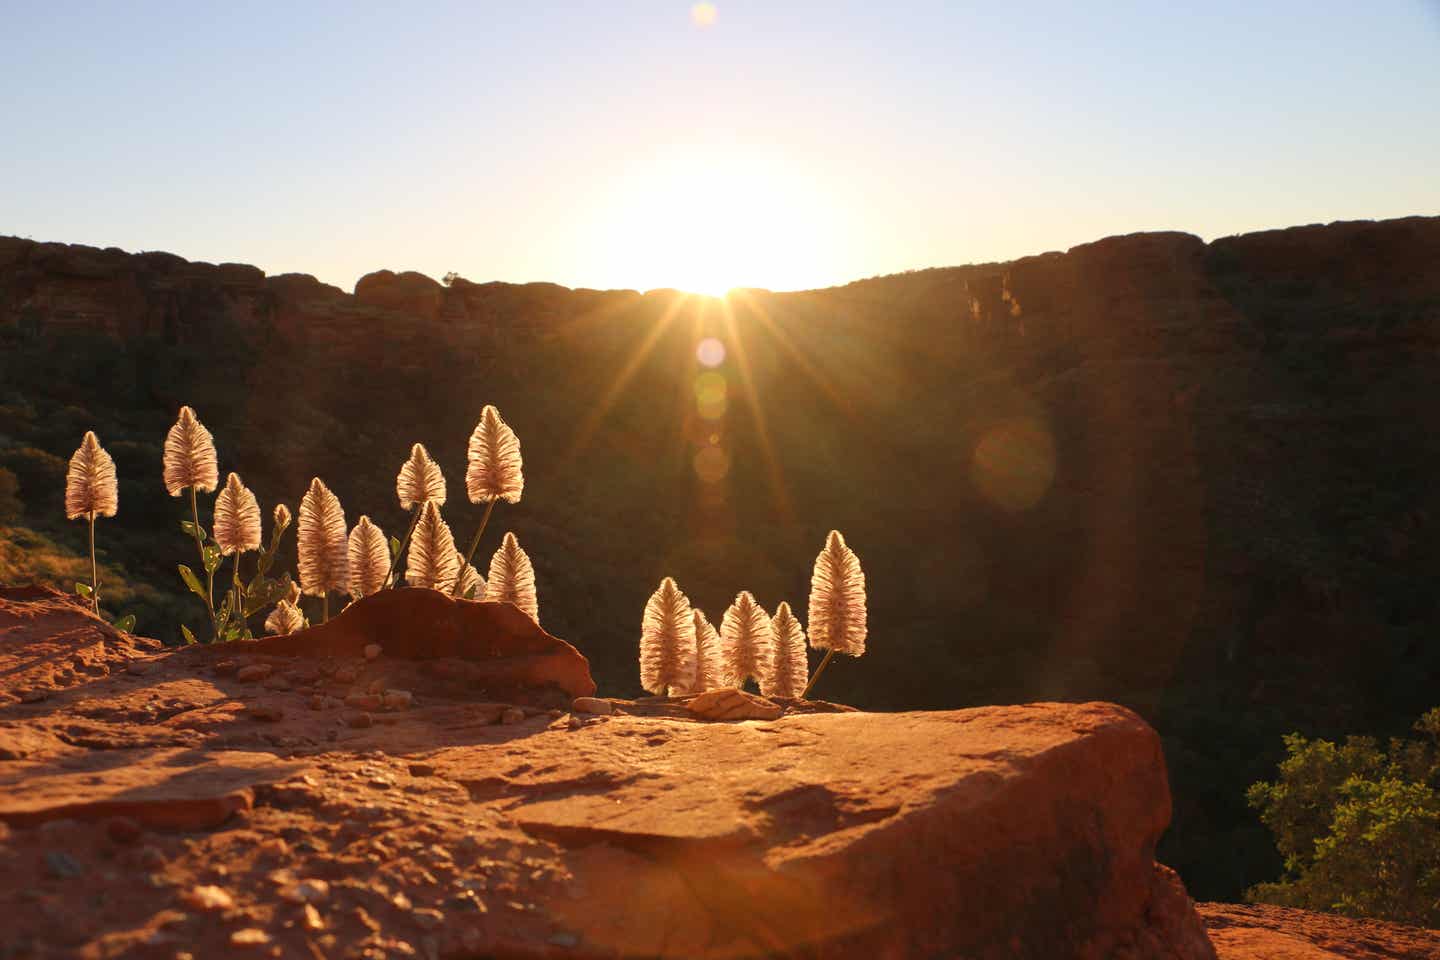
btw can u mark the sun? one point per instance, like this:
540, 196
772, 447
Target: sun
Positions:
707, 219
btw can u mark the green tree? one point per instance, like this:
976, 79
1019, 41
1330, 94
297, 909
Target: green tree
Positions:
1358, 826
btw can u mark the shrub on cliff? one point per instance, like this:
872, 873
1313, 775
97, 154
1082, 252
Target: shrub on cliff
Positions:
1358, 825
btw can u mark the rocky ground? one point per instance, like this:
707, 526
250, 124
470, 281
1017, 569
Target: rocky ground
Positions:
330, 796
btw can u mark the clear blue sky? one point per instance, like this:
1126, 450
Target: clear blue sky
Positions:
783, 145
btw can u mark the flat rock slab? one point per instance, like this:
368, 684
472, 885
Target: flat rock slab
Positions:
178, 808
1253, 932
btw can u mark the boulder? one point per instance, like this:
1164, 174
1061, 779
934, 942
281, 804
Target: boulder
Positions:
509, 648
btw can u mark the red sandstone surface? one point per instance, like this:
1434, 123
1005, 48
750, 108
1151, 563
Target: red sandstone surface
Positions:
271, 800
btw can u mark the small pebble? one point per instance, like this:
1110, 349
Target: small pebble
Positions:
140, 667
512, 715
263, 711
249, 937
306, 891
277, 681
209, 898
255, 671
372, 650
597, 705
346, 674
360, 721
313, 920
398, 699
364, 701
422, 769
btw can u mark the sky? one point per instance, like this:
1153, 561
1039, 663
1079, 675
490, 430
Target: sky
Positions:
650, 144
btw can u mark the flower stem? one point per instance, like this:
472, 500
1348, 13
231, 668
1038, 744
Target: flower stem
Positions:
94, 570
325, 607
236, 609
818, 670
490, 505
209, 574
395, 560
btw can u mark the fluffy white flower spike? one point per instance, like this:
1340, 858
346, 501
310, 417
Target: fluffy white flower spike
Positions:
190, 456
789, 670
471, 584
323, 545
420, 479
667, 642
710, 661
495, 469
285, 618
512, 578
432, 560
237, 518
837, 599
369, 559
90, 485
748, 641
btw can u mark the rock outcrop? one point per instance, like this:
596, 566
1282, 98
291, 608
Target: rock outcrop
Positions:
512, 650
214, 800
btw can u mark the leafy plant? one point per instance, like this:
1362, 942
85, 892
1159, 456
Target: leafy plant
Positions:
91, 491
1358, 825
190, 464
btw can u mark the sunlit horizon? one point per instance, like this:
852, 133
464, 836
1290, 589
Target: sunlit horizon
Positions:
706, 146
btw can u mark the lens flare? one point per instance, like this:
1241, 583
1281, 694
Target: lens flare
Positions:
1014, 464
710, 395
712, 465
710, 352
703, 14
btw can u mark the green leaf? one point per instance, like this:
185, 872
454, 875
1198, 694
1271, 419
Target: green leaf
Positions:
193, 582
126, 623
213, 556
269, 592
191, 530
189, 637
83, 589
470, 594
394, 548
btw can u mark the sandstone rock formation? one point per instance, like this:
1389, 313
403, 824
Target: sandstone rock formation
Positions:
158, 801
422, 624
